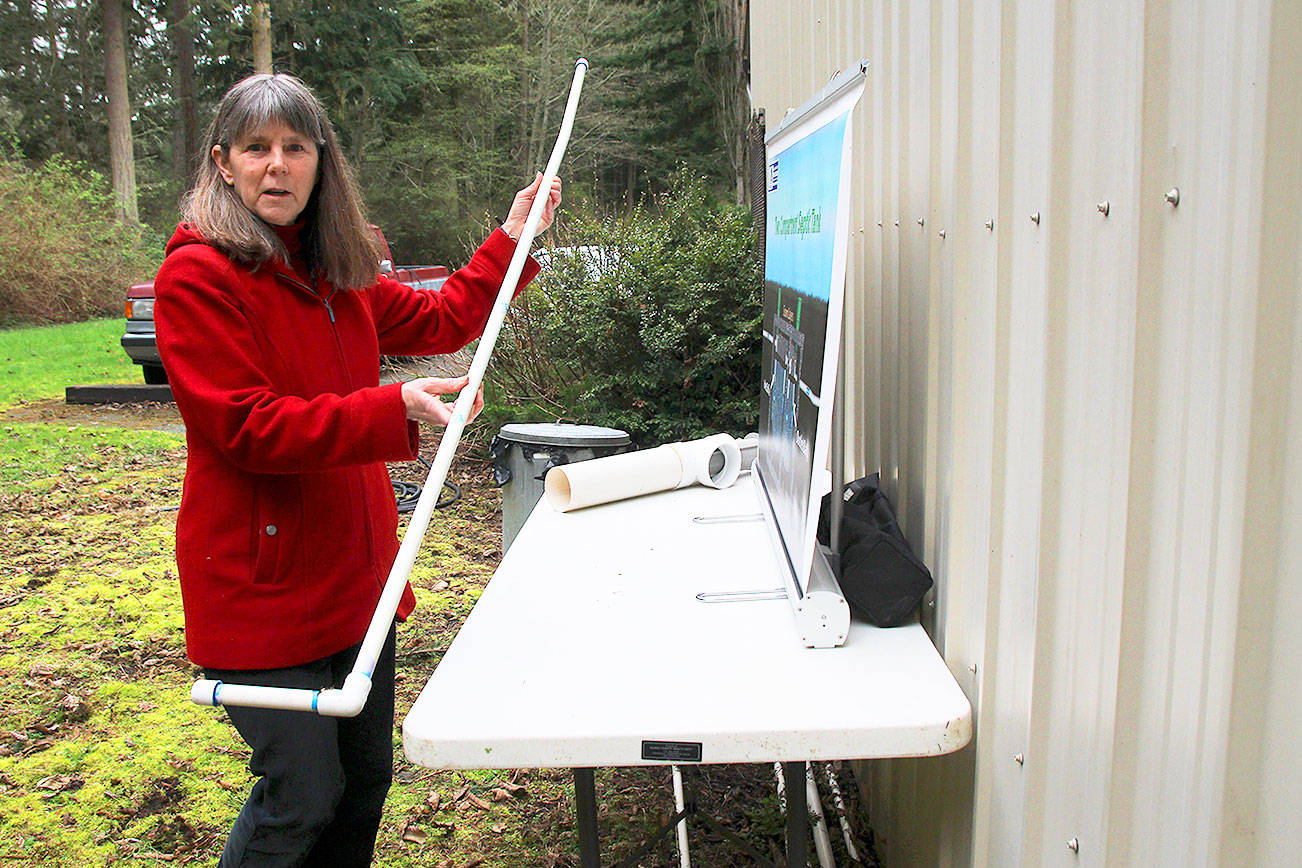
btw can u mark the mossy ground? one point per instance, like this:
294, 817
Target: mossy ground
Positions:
103, 760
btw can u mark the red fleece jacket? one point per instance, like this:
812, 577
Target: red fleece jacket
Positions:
288, 527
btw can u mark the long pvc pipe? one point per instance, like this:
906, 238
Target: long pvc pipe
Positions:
348, 700
822, 843
842, 814
684, 857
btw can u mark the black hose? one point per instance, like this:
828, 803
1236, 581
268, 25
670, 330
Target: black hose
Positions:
408, 493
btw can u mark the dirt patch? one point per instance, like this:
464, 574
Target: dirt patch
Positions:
164, 795
148, 416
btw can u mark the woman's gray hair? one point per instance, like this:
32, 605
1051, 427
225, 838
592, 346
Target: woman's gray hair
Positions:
337, 241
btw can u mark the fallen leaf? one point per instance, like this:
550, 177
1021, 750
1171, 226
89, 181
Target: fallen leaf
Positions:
478, 802
37, 746
433, 801
415, 835
61, 783
75, 707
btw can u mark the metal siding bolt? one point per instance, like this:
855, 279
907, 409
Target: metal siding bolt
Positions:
1035, 218
990, 224
922, 220
972, 669
1105, 207
1019, 759
879, 224
941, 233
1173, 196
1073, 845
897, 224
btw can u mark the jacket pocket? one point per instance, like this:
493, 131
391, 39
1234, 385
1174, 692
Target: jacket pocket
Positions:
277, 530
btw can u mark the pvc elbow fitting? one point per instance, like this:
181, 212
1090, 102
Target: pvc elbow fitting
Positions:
346, 701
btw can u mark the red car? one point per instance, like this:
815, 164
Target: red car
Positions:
139, 342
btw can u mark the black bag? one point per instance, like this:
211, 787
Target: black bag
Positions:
881, 578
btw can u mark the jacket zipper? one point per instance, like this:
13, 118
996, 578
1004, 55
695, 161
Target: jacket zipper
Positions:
348, 378
330, 311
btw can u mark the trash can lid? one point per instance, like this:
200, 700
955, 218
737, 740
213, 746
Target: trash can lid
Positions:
563, 434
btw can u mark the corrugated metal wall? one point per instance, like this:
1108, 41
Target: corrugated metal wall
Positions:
1087, 399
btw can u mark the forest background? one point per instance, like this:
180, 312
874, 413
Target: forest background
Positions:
445, 107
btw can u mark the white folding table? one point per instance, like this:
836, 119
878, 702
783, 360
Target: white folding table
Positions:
590, 648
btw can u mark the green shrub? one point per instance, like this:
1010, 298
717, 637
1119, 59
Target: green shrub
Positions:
654, 327
64, 255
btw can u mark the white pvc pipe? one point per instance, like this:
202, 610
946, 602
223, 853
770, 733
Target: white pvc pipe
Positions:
684, 858
713, 461
814, 804
842, 814
348, 700
822, 842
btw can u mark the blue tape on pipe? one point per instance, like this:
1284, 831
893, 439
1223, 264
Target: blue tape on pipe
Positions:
216, 689
315, 695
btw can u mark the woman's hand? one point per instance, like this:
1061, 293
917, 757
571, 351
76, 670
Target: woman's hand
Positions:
424, 404
513, 225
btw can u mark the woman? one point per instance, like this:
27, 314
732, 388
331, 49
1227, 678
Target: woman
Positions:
271, 319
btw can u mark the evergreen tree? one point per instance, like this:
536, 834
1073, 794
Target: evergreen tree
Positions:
671, 109
446, 107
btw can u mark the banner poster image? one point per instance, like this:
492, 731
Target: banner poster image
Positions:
806, 239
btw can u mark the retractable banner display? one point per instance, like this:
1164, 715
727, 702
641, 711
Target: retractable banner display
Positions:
806, 240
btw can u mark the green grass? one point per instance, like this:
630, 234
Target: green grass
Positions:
28, 449
39, 362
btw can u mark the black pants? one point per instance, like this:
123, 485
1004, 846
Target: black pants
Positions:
322, 780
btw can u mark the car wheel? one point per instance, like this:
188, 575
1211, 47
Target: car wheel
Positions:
154, 375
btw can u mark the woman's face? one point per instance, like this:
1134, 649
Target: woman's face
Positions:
273, 171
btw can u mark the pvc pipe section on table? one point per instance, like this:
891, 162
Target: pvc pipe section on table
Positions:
713, 461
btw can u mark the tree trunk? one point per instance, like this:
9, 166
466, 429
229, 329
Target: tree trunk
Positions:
260, 23
185, 130
59, 114
725, 24
522, 136
287, 16
121, 158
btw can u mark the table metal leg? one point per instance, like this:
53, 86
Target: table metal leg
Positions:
585, 806
793, 779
